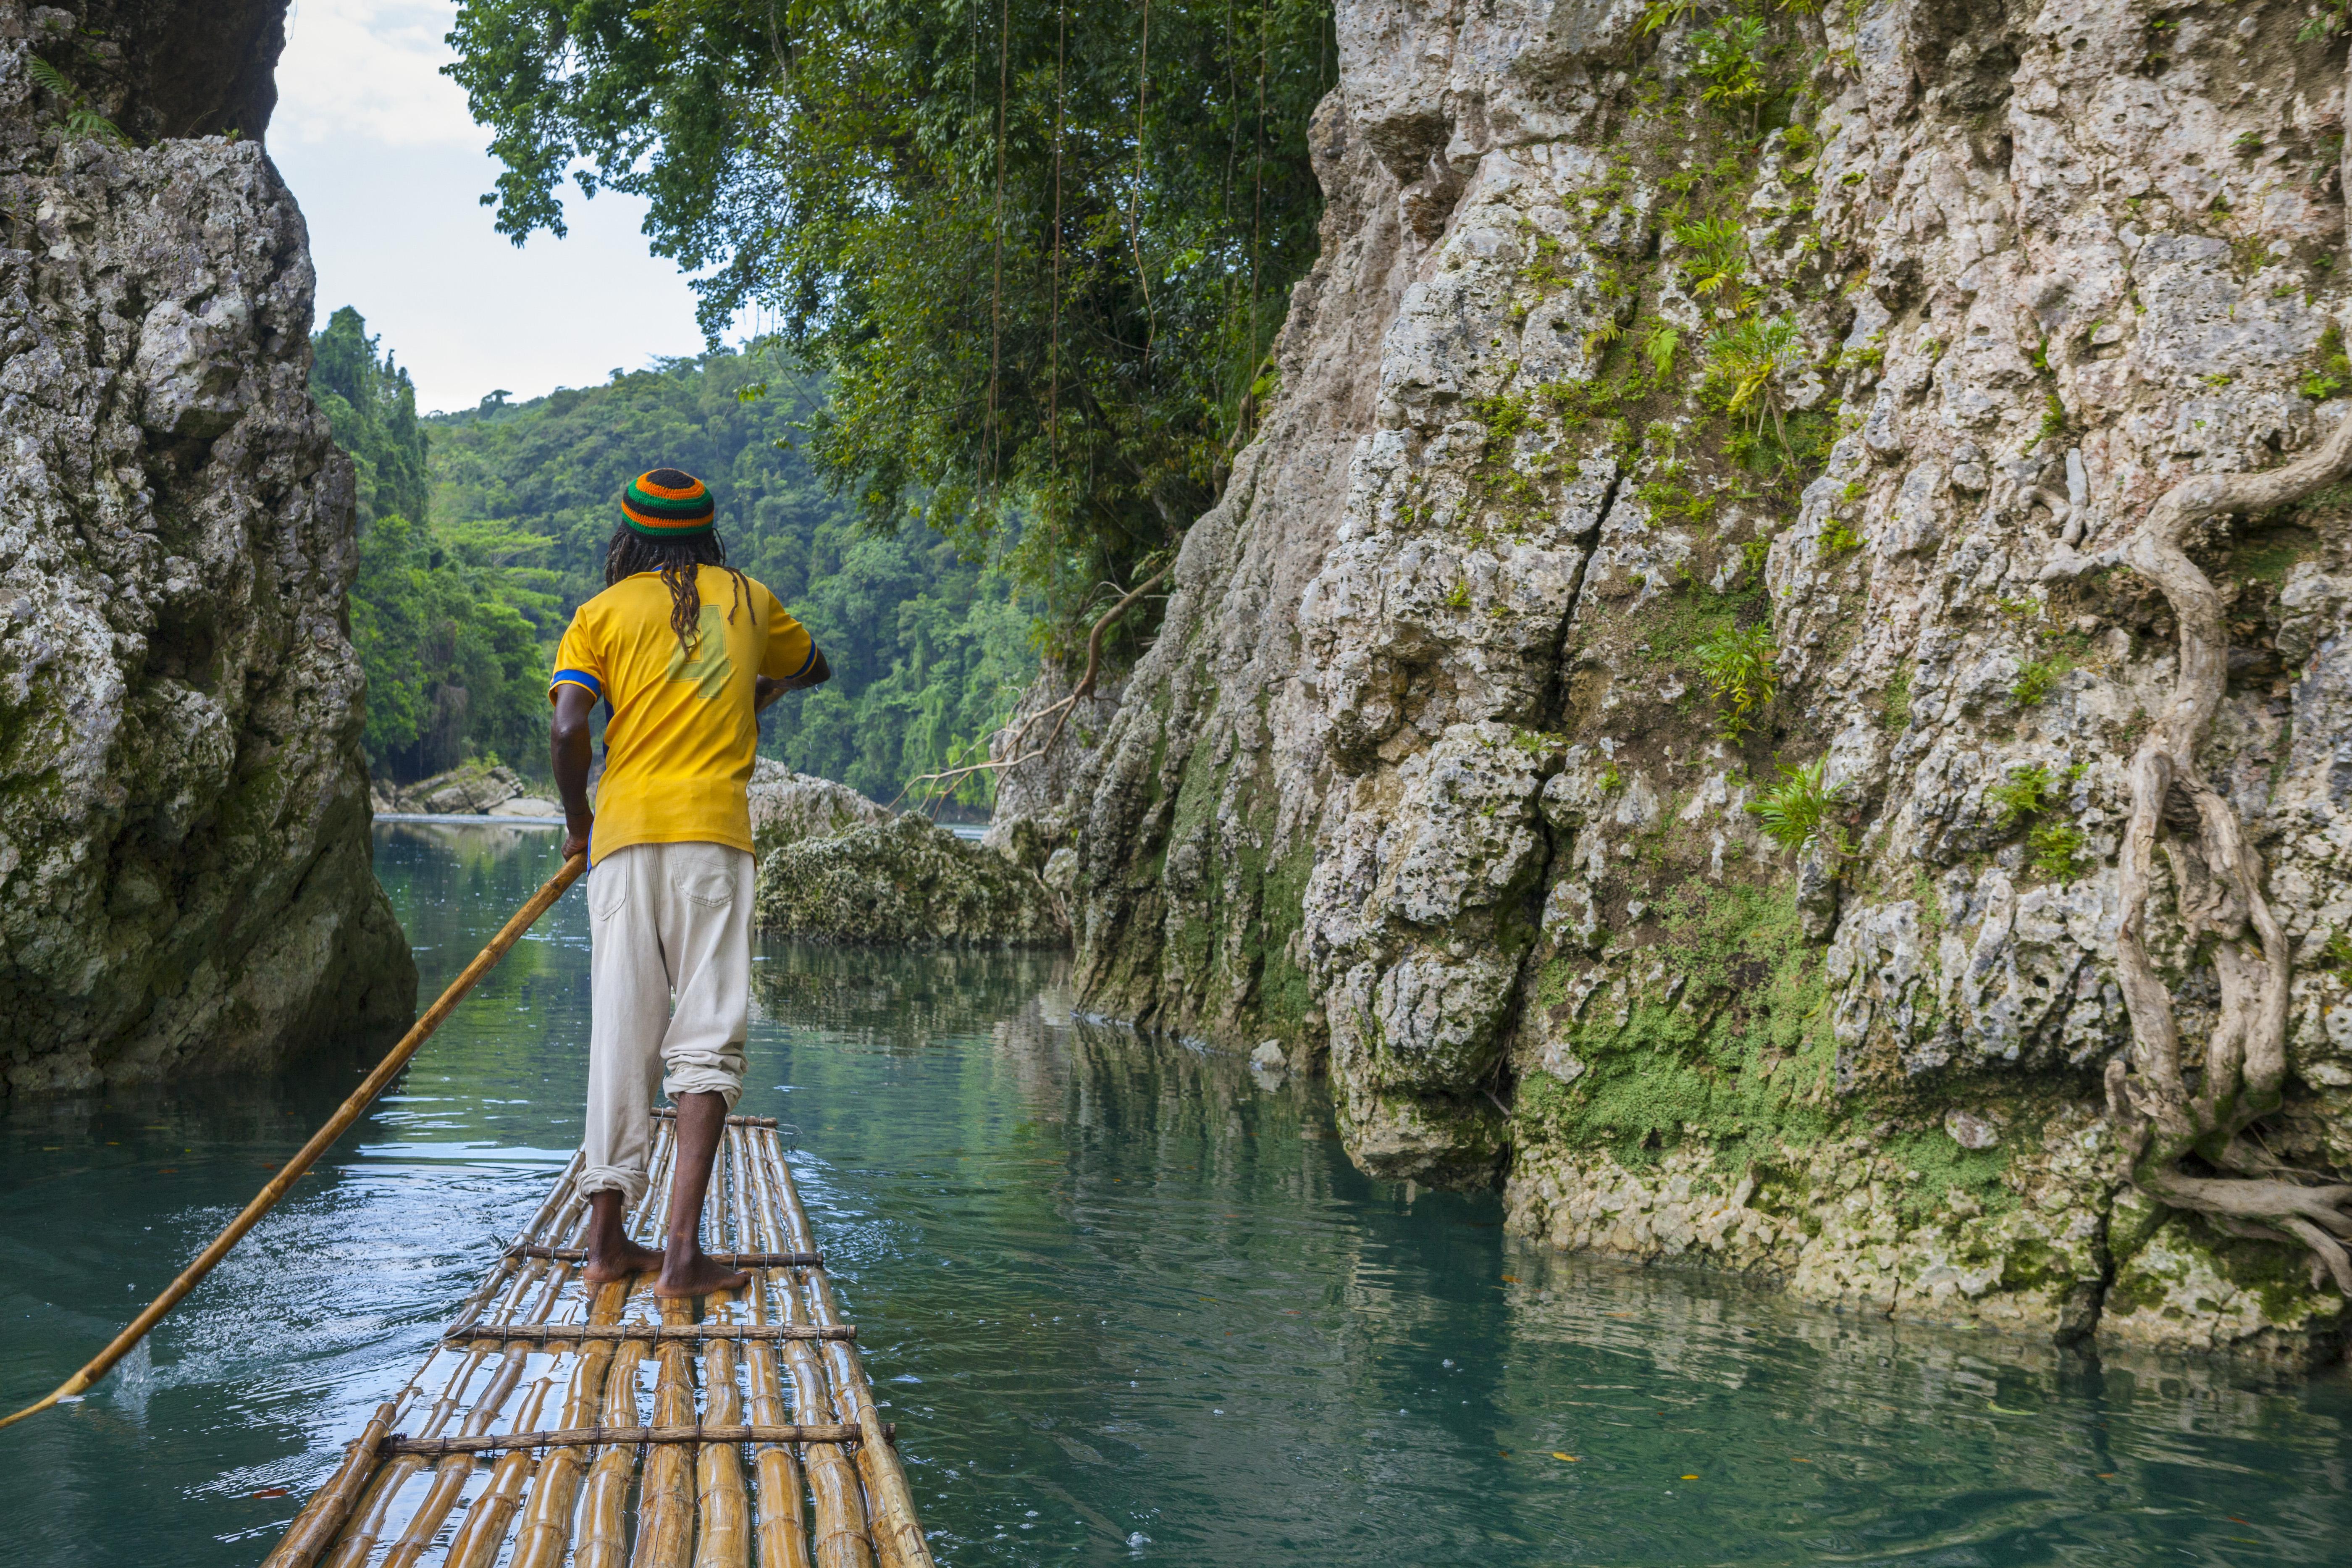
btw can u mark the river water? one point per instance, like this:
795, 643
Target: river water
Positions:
1126, 1305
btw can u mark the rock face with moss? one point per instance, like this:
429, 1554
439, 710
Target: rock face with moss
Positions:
905, 881
184, 870
1651, 709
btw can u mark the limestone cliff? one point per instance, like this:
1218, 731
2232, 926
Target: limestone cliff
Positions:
1698, 408
184, 877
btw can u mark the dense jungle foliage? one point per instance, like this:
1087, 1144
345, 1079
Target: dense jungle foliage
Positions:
1037, 251
482, 530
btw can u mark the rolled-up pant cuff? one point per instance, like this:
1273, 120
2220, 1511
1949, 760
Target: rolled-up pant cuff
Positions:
703, 1081
629, 1184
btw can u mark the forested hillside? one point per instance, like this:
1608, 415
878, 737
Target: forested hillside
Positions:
456, 610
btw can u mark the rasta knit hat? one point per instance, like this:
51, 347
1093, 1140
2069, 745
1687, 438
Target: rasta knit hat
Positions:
669, 503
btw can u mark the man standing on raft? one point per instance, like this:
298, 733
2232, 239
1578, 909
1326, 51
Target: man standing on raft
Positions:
685, 651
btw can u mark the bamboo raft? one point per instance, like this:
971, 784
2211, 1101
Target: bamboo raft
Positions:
528, 1438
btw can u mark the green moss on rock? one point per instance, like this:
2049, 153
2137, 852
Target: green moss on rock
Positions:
906, 881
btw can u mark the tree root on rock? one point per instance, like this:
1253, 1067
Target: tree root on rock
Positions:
2161, 1118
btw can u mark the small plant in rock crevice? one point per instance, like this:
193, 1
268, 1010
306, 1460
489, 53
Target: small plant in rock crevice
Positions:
2058, 850
1737, 663
1799, 810
2023, 794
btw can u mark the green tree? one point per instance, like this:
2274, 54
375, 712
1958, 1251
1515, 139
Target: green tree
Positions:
447, 619
1037, 250
372, 407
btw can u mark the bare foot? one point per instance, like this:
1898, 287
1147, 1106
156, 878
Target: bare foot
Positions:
619, 1261
693, 1272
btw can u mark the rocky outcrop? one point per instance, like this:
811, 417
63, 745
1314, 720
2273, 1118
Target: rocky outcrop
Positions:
904, 881
185, 867
467, 791
787, 807
1703, 420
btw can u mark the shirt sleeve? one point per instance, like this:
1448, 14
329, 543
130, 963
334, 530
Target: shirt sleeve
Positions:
791, 650
577, 662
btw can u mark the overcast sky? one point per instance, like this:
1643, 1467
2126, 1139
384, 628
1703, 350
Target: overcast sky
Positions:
388, 167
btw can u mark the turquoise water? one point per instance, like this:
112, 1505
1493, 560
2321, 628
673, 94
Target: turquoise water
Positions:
1127, 1307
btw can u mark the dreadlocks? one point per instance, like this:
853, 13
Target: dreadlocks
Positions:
678, 560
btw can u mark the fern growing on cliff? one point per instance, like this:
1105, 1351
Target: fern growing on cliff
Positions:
81, 122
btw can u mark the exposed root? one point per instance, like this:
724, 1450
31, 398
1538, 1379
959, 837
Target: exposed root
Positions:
2161, 1117
947, 782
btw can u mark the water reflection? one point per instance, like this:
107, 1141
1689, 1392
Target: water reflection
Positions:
1128, 1305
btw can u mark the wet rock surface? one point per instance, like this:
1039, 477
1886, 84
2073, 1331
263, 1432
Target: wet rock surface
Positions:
184, 863
1433, 776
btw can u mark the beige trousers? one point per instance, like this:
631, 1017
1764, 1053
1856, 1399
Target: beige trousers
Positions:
670, 982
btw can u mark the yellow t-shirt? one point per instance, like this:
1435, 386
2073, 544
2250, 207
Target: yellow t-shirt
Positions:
681, 731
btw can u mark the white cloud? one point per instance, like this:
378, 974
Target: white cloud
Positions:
371, 68
388, 167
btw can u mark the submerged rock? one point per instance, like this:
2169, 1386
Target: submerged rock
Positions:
185, 862
905, 881
469, 790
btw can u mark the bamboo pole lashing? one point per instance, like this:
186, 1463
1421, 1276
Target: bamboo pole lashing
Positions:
669, 1333
278, 1185
733, 1434
732, 1259
668, 1113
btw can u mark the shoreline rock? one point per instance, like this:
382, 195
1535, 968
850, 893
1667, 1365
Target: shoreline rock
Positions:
185, 879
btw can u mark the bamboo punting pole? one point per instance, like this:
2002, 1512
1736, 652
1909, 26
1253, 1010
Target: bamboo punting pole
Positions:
839, 1502
483, 1530
665, 1493
898, 1534
782, 1514
283, 1182
323, 1515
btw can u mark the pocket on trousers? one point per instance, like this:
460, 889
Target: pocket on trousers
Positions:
608, 888
707, 877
